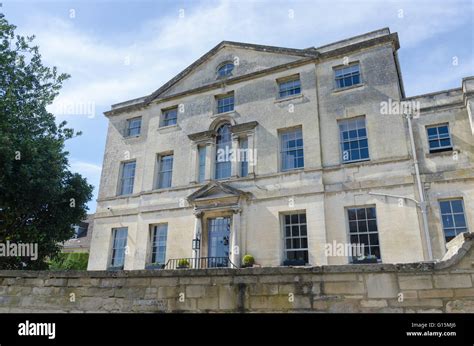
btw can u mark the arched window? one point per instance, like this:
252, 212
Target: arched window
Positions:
223, 152
225, 70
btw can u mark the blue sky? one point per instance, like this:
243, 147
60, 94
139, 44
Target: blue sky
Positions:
119, 50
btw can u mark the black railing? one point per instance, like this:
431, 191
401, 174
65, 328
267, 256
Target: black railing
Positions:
199, 263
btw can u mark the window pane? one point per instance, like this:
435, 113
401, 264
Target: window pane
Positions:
362, 226
459, 220
243, 157
119, 246
160, 234
374, 239
347, 76
354, 143
225, 70
134, 126
372, 224
445, 207
453, 218
438, 138
448, 221
364, 230
361, 215
225, 104
292, 152
223, 149
166, 171
456, 206
352, 214
364, 239
289, 88
443, 129
295, 236
128, 175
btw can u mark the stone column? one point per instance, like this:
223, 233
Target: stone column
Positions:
210, 158
251, 153
193, 178
197, 235
235, 248
235, 164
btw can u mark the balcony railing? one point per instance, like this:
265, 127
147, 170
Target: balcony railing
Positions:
199, 263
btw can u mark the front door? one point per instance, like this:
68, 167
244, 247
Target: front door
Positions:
218, 247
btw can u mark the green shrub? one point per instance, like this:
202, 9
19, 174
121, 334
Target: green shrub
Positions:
248, 261
70, 261
183, 262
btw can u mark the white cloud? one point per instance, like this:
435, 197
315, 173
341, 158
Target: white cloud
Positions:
160, 48
91, 172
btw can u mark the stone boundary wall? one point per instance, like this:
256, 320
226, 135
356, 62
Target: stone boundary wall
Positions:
445, 286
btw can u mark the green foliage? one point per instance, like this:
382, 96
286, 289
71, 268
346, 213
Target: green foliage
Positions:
39, 197
248, 261
183, 262
70, 261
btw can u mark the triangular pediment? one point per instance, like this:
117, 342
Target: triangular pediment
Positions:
247, 58
215, 191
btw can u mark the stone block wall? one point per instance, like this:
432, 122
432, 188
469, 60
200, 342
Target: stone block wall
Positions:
445, 286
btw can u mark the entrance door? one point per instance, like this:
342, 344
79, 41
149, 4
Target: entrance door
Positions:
218, 247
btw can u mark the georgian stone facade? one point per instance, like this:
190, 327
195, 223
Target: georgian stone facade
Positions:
318, 140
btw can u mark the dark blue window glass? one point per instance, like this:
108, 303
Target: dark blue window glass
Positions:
225, 70
453, 218
439, 138
244, 157
166, 171
225, 103
363, 231
353, 137
288, 88
292, 152
159, 238
128, 176
170, 117
134, 126
347, 76
223, 152
119, 247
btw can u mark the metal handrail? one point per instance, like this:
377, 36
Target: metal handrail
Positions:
199, 263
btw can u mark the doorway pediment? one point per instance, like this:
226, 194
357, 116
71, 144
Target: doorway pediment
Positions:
216, 194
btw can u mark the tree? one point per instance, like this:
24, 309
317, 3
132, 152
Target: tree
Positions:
40, 199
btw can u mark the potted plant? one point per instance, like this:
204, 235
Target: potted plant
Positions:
248, 261
366, 259
183, 263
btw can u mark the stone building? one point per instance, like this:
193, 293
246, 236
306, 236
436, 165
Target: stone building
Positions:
288, 155
81, 241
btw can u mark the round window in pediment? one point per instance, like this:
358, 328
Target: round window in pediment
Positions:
225, 70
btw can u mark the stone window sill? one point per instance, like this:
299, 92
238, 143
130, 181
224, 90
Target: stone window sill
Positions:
169, 128
131, 138
230, 113
288, 98
442, 153
357, 86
